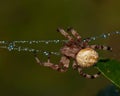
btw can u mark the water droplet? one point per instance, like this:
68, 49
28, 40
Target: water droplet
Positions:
108, 34
93, 38
46, 42
45, 53
105, 36
117, 32
30, 42
26, 49
10, 47
2, 42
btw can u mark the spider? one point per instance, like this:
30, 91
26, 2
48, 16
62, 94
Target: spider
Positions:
83, 55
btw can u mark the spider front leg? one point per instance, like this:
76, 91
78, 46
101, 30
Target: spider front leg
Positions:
61, 67
64, 33
74, 33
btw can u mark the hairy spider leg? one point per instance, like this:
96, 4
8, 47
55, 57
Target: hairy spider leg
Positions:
75, 66
74, 33
102, 47
62, 31
61, 67
88, 75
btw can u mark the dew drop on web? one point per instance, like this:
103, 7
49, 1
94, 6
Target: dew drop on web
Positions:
19, 45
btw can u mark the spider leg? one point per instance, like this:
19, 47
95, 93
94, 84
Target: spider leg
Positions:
88, 75
103, 47
74, 33
62, 31
61, 67
75, 66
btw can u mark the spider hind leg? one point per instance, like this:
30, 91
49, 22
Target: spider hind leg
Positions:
88, 75
75, 66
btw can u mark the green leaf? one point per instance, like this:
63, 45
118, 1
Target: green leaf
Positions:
111, 70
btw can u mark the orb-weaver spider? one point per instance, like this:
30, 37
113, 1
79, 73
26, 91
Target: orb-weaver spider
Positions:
83, 55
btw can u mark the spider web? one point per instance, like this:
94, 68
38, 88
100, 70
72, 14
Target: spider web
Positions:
25, 46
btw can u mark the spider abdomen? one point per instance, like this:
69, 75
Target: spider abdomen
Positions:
87, 57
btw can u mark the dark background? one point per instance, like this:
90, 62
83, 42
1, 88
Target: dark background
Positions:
34, 20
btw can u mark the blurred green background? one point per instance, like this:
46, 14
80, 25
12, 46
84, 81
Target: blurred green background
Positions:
34, 20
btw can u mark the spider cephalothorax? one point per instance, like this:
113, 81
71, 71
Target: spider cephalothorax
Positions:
83, 55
